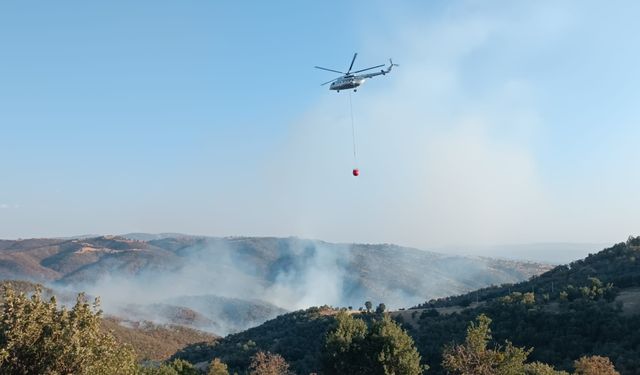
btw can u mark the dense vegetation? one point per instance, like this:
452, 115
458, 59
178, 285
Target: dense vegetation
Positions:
580, 314
618, 265
379, 348
150, 341
573, 318
298, 337
479, 356
558, 333
38, 337
567, 313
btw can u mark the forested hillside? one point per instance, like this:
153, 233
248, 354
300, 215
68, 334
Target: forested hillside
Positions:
617, 265
572, 317
226, 285
297, 336
589, 307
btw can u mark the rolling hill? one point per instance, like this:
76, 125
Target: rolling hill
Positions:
371, 271
154, 342
588, 307
230, 284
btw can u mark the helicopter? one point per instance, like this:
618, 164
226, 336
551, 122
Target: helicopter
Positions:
352, 80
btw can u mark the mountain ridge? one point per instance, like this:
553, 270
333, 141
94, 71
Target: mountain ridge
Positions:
268, 275
590, 306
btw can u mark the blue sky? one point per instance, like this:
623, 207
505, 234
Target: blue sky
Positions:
506, 122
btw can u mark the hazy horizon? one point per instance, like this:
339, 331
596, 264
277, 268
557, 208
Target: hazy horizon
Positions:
505, 123
544, 252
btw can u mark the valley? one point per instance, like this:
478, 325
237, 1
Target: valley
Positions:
225, 285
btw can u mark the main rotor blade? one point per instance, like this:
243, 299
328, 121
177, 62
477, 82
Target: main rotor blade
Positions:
352, 61
329, 81
329, 70
364, 70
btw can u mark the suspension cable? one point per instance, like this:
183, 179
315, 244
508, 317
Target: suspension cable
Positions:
353, 132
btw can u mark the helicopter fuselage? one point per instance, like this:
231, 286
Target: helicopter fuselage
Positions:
347, 82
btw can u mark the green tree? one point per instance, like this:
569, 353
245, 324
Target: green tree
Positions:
37, 337
160, 370
538, 368
633, 241
383, 348
175, 367
381, 308
393, 349
183, 367
564, 296
344, 345
475, 358
529, 298
595, 365
368, 305
268, 364
218, 368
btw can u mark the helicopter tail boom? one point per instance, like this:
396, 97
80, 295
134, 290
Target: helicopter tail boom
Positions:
381, 72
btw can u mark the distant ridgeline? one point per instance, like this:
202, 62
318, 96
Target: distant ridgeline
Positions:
402, 276
589, 307
617, 265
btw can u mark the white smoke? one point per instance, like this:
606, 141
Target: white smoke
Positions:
203, 274
440, 164
318, 282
